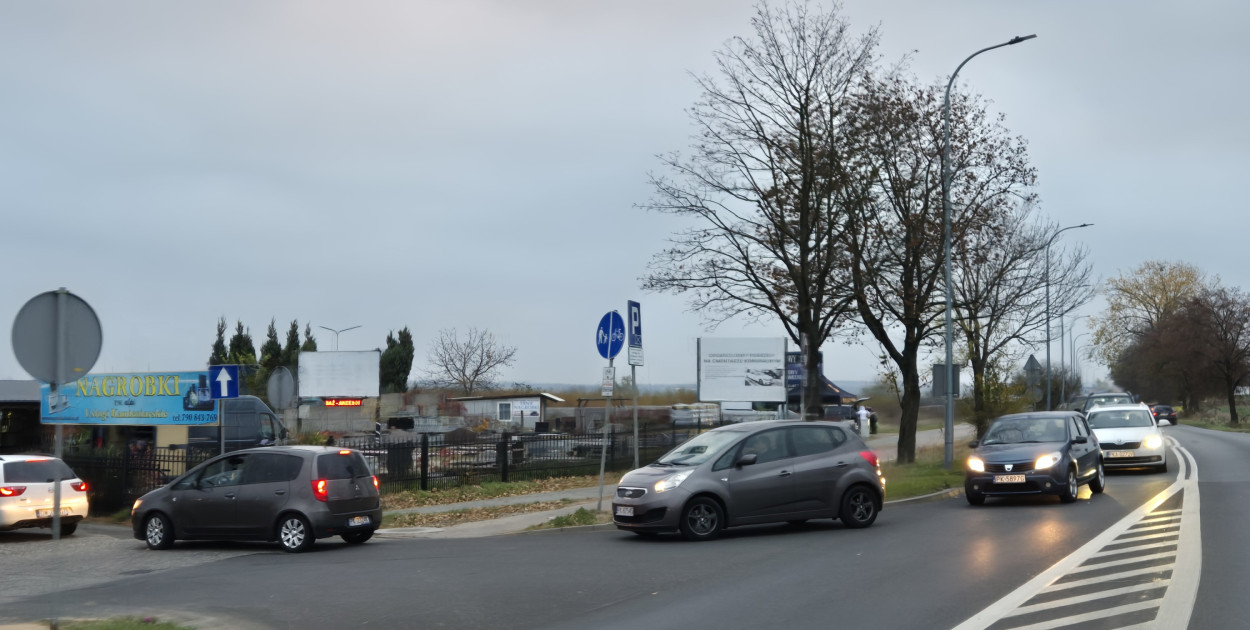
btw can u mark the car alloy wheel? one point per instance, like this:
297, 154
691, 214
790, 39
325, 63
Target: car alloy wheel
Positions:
859, 508
701, 519
158, 532
1071, 488
295, 534
1099, 482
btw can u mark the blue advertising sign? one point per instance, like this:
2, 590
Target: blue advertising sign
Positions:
180, 398
794, 368
610, 335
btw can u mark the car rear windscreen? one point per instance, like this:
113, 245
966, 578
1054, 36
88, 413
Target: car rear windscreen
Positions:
36, 471
340, 466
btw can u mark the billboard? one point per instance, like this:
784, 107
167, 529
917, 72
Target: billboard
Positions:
184, 398
742, 369
339, 374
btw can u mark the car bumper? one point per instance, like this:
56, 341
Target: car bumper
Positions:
651, 512
327, 524
1034, 482
1132, 458
23, 515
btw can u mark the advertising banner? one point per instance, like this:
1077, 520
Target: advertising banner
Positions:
339, 374
742, 369
184, 398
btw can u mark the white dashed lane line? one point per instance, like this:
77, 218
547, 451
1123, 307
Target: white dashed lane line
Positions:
1140, 573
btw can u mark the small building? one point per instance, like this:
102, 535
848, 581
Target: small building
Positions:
520, 412
20, 428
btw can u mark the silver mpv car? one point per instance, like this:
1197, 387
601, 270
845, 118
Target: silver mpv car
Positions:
750, 473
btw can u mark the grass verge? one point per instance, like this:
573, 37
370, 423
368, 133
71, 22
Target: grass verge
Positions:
926, 475
121, 623
489, 490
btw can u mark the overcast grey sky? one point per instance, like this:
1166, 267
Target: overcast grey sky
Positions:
478, 163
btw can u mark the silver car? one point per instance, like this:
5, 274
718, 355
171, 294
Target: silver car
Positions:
1129, 437
750, 473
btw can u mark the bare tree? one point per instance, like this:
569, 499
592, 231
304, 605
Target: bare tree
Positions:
999, 291
760, 187
1225, 314
897, 231
468, 365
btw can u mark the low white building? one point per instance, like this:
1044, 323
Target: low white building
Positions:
525, 412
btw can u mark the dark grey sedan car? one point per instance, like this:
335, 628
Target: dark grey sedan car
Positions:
291, 494
750, 473
1051, 452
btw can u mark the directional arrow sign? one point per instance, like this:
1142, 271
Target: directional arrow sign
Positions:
610, 336
225, 380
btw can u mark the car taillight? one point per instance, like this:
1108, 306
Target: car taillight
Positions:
80, 486
320, 490
375, 483
11, 491
870, 456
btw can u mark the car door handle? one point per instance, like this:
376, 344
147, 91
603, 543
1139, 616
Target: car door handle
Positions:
784, 473
841, 465
229, 495
279, 491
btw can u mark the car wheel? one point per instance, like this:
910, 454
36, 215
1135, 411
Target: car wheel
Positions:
974, 498
859, 507
295, 534
355, 538
1099, 482
1070, 489
701, 519
158, 532
68, 529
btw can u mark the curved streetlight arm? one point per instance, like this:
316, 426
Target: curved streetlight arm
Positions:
336, 333
949, 451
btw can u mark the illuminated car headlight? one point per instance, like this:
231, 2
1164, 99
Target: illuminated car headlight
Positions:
1154, 441
975, 464
1046, 461
135, 507
672, 481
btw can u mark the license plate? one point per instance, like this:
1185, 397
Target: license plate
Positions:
48, 513
1008, 478
357, 521
1119, 453
624, 510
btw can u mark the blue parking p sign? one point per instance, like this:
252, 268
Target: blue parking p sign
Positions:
224, 381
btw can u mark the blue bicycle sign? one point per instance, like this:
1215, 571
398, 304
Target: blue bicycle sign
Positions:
610, 336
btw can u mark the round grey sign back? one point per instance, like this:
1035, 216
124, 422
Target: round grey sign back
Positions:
37, 327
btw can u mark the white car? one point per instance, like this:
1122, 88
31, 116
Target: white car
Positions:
1129, 437
27, 491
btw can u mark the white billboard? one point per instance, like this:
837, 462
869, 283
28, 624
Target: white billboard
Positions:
339, 374
742, 369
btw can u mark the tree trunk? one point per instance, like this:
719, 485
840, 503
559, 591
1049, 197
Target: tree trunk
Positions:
980, 421
1232, 403
911, 413
812, 381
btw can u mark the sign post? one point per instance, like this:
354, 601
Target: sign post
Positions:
634, 311
609, 338
56, 337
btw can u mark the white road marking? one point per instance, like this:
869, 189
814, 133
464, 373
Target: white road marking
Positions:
1133, 534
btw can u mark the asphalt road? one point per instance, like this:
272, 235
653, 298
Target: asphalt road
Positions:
935, 564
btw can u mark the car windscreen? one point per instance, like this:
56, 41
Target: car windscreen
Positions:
36, 471
700, 449
1120, 419
1024, 430
342, 465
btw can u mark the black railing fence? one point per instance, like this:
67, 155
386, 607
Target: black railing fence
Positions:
424, 461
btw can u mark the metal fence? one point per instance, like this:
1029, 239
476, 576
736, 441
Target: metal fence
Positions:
427, 461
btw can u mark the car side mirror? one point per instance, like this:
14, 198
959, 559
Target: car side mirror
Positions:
1080, 439
285, 433
974, 444
746, 460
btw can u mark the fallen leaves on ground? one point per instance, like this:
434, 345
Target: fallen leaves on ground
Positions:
457, 517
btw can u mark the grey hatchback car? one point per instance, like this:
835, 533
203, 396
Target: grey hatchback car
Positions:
291, 494
751, 473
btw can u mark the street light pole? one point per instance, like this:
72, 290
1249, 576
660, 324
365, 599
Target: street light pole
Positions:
949, 454
1048, 243
336, 334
